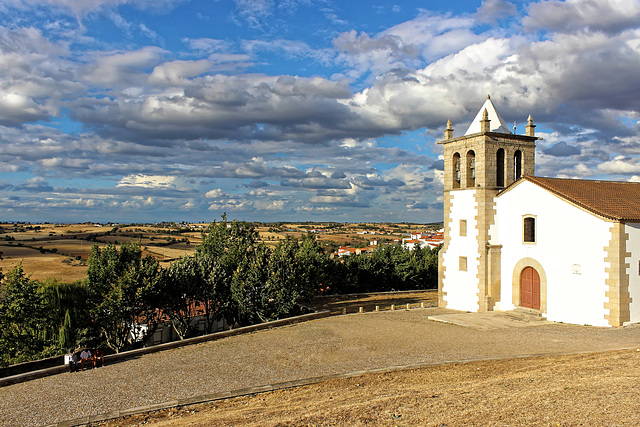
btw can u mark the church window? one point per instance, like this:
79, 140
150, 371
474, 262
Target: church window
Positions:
529, 229
462, 263
500, 168
517, 165
463, 227
471, 169
456, 170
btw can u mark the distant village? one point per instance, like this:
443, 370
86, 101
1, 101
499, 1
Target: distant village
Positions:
421, 239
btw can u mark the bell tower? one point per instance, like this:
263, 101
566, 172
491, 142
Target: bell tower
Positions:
477, 166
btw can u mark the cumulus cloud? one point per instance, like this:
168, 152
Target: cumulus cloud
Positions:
29, 66
620, 165
216, 193
576, 15
562, 149
491, 11
153, 182
178, 72
122, 69
216, 107
191, 130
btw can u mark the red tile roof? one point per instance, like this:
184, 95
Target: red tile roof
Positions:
617, 200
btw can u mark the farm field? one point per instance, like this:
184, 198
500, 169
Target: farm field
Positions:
40, 266
60, 251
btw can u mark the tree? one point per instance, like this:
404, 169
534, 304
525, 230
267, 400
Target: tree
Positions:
249, 286
66, 311
224, 247
286, 277
266, 285
22, 325
123, 290
195, 287
180, 290
313, 265
214, 290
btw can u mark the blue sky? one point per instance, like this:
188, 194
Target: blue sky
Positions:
151, 110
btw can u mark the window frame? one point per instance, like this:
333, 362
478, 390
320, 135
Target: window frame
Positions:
533, 219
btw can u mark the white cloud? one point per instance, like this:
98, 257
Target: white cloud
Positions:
491, 11
576, 15
154, 182
178, 72
216, 193
34, 76
190, 130
270, 205
122, 69
620, 165
231, 205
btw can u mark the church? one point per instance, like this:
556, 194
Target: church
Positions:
566, 249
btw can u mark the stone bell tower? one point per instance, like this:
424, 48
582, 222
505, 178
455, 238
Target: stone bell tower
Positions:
477, 166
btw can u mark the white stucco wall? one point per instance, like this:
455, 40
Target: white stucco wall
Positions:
461, 287
633, 247
569, 245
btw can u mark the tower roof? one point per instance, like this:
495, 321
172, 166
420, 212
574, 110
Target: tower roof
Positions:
497, 123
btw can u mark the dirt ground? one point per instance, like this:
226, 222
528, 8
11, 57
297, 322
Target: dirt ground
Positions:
588, 389
352, 304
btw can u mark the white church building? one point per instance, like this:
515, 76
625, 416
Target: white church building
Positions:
567, 249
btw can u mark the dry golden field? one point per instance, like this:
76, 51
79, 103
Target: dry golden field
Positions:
41, 266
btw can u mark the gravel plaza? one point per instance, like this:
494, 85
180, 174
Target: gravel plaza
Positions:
330, 346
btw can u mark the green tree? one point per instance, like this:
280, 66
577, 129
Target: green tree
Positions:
66, 311
22, 324
214, 290
123, 293
195, 287
313, 265
287, 277
249, 286
223, 248
266, 285
180, 284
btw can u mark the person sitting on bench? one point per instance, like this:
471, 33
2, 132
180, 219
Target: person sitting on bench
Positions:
73, 362
85, 358
98, 357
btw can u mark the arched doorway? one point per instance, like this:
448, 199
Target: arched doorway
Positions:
530, 288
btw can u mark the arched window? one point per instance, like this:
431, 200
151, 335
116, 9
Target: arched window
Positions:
500, 168
456, 170
529, 230
471, 169
517, 165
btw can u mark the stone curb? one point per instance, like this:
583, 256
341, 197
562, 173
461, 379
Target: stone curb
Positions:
206, 398
371, 294
28, 376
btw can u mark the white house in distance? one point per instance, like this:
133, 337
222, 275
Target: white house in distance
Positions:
568, 249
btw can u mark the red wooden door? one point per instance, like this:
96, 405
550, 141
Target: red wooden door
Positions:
530, 288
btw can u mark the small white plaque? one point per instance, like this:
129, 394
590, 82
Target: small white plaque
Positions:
576, 269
